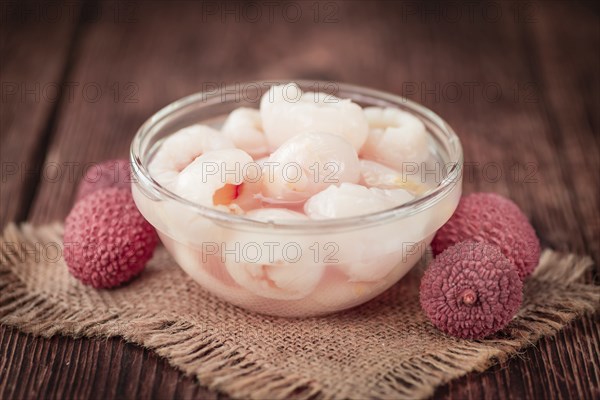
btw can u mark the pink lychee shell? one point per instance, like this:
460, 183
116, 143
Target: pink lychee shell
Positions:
491, 218
110, 173
471, 267
107, 240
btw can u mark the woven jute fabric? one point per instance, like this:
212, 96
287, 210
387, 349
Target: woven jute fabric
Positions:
383, 349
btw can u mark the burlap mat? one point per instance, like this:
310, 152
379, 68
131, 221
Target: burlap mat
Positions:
383, 349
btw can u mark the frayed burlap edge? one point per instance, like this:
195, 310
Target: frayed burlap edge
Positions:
237, 372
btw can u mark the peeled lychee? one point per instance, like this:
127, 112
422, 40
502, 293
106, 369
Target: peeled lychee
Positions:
110, 173
491, 218
471, 290
107, 241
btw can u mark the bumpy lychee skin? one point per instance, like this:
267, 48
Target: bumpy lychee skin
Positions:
107, 240
471, 290
110, 173
491, 218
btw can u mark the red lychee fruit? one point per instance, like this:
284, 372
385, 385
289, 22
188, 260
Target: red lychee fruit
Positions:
471, 290
110, 173
107, 240
491, 218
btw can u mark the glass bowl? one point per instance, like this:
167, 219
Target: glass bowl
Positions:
303, 268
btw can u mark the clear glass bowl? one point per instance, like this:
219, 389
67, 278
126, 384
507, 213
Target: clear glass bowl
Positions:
307, 267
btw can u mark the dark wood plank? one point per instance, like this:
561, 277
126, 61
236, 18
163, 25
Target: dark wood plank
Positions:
498, 132
562, 367
34, 60
63, 367
383, 46
562, 53
517, 130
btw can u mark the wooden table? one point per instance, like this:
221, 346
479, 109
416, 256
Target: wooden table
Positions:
519, 82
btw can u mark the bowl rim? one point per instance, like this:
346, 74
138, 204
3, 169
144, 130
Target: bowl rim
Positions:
143, 177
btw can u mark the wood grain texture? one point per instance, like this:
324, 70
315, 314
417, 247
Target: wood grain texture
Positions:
572, 102
540, 132
32, 76
63, 367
